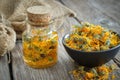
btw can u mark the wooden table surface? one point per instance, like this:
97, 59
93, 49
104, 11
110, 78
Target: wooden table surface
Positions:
104, 12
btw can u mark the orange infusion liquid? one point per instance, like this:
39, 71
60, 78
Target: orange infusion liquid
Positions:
40, 51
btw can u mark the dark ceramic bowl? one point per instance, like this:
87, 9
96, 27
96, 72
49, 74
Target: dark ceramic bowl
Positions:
90, 59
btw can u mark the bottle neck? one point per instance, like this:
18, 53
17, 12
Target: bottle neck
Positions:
39, 30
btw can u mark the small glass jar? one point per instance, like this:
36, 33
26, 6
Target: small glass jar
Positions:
40, 42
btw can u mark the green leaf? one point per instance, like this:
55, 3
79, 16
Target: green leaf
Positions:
40, 38
95, 72
37, 48
80, 46
50, 59
97, 36
27, 40
107, 42
36, 59
101, 73
53, 41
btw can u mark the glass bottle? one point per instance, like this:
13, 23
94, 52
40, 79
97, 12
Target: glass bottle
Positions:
40, 42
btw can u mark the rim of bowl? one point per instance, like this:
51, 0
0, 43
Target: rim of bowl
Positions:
63, 41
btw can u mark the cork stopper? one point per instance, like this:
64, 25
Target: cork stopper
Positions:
39, 15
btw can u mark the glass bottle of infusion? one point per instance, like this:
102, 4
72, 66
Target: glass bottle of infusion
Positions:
40, 43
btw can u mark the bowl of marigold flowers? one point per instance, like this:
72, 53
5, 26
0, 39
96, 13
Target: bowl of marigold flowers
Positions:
91, 45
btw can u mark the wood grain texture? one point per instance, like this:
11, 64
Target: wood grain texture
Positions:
87, 10
60, 71
4, 69
90, 11
110, 8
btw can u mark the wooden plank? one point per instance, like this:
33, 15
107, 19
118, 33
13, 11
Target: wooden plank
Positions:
58, 72
4, 68
116, 71
86, 11
23, 72
109, 7
65, 64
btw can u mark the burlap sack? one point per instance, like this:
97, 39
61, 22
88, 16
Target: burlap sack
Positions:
17, 18
7, 39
